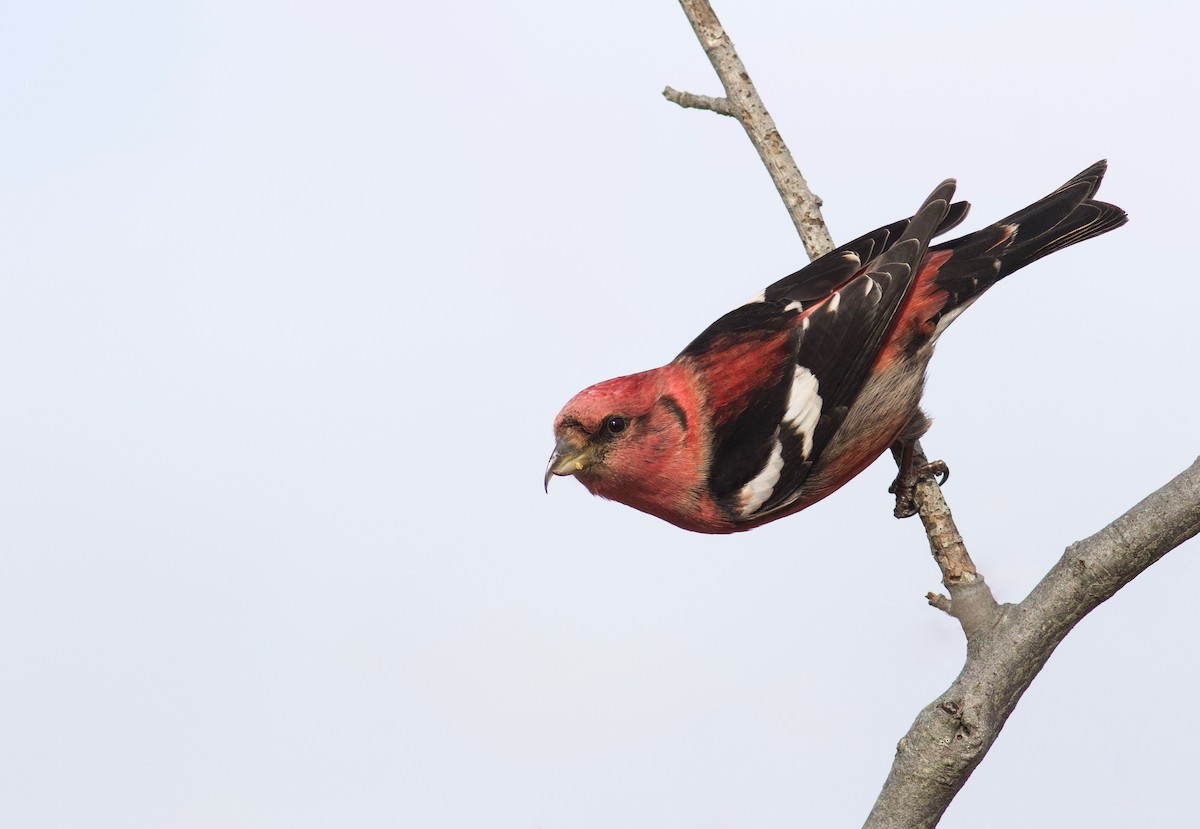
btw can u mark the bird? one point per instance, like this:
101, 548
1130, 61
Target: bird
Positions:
789, 396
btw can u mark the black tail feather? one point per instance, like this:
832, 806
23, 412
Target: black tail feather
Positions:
1066, 216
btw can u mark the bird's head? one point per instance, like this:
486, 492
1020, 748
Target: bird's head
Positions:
627, 439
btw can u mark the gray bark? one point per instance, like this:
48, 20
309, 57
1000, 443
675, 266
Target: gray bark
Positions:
1008, 644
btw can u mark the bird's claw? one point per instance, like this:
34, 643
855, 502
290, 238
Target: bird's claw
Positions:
935, 470
905, 486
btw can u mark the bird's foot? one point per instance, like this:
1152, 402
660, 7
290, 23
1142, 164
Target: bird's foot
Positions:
905, 486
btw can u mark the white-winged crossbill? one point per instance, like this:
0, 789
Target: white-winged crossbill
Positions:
786, 398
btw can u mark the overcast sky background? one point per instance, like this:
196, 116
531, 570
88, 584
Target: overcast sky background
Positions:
291, 293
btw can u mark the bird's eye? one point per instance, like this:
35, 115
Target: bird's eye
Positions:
616, 425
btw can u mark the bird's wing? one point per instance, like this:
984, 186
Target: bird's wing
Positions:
817, 281
801, 360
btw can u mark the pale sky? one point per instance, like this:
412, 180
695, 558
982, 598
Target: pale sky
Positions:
292, 293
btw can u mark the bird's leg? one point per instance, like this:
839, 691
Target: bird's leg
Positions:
905, 483
904, 487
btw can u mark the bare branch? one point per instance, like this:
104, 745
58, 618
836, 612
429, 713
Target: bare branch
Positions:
953, 733
742, 102
971, 600
689, 101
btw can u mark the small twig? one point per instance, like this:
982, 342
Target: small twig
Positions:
945, 542
939, 601
971, 600
742, 102
688, 100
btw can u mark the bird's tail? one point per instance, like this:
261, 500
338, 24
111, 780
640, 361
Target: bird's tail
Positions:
1066, 216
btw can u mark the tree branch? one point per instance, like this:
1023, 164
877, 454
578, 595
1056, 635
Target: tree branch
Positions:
971, 600
953, 733
742, 102
1007, 644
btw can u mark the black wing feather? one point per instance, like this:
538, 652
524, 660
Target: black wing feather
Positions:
813, 283
838, 341
839, 345
743, 442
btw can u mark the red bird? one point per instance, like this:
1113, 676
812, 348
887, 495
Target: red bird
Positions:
785, 399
